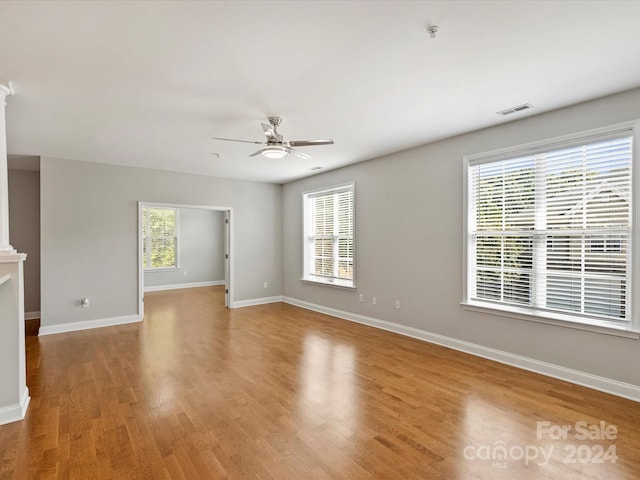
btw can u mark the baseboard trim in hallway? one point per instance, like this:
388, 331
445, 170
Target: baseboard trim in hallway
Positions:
178, 286
256, 301
87, 324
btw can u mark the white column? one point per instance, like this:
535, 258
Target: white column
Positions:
5, 247
14, 394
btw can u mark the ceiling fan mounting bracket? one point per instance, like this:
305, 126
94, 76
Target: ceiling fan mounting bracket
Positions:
275, 121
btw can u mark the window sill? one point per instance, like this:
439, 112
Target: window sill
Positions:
166, 269
329, 282
551, 318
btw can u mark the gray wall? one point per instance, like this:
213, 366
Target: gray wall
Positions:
89, 234
24, 230
409, 244
200, 250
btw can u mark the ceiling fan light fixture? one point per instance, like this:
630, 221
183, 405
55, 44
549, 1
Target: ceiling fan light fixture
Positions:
275, 152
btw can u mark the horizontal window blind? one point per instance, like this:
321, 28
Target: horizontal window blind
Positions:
551, 230
330, 234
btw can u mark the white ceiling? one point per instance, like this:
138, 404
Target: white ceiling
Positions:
148, 83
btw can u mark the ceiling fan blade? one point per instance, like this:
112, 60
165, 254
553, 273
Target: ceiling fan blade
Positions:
255, 154
309, 143
304, 156
235, 140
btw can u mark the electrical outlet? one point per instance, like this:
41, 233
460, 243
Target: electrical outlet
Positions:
266, 284
397, 304
361, 298
375, 300
84, 302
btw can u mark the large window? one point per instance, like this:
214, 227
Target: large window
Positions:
160, 232
549, 229
328, 232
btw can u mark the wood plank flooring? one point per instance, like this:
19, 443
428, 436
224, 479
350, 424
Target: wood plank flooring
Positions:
276, 392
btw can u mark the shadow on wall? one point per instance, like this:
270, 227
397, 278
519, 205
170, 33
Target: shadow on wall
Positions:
24, 224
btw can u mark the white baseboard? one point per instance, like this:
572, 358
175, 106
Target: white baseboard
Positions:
31, 315
15, 413
256, 301
177, 286
87, 324
603, 384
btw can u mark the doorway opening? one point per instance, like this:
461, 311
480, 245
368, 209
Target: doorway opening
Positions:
184, 246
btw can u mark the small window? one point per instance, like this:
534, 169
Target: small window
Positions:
328, 236
160, 232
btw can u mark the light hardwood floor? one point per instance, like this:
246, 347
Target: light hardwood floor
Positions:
277, 392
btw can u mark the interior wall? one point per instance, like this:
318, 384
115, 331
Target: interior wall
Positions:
409, 244
90, 234
200, 250
24, 232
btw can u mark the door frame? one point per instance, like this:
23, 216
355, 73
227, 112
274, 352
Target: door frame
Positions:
228, 247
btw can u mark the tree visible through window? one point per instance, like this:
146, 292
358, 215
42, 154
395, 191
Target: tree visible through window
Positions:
551, 230
160, 232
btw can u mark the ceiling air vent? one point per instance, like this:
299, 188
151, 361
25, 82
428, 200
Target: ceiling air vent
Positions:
519, 108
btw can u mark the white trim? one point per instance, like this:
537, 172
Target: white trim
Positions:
6, 88
227, 227
256, 301
87, 324
140, 291
635, 231
603, 384
31, 315
551, 318
8, 257
16, 412
176, 286
572, 139
161, 270
321, 191
329, 282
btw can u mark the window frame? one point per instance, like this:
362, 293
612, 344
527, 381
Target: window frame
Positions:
632, 328
146, 240
308, 238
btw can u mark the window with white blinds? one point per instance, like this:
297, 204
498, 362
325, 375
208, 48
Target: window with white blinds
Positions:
549, 230
329, 239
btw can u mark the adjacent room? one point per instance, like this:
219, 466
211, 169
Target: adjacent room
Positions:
319, 239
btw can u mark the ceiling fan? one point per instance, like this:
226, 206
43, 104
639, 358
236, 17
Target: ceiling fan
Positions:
275, 146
